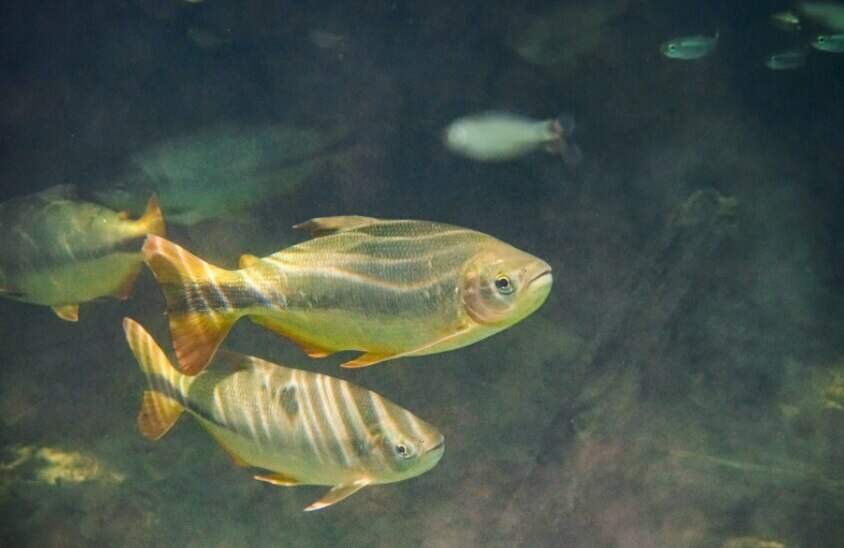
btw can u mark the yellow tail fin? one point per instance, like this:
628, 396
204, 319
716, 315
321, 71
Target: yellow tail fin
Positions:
159, 412
152, 220
200, 316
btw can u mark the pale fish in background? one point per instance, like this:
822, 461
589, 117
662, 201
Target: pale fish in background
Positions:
59, 251
830, 43
689, 48
298, 427
501, 136
387, 288
826, 14
787, 60
220, 173
786, 20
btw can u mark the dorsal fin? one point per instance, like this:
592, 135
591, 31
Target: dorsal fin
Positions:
322, 226
247, 260
59, 192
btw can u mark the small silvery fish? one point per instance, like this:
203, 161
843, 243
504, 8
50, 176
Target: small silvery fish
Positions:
786, 60
59, 251
301, 428
689, 48
830, 43
387, 288
501, 136
786, 20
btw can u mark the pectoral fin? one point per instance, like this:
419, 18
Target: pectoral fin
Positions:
68, 312
337, 493
322, 226
278, 478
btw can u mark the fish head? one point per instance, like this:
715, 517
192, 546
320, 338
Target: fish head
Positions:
402, 451
457, 136
670, 49
504, 286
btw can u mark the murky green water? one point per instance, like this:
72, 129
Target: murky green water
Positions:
683, 385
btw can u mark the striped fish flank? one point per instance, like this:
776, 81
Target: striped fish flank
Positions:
386, 288
297, 427
60, 251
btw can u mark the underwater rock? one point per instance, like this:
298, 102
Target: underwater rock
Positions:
54, 466
578, 454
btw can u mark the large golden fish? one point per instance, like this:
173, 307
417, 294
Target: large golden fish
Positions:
59, 251
386, 288
301, 428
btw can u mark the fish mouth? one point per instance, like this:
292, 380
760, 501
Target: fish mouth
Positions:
437, 446
546, 272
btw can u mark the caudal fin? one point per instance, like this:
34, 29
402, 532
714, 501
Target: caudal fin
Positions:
159, 410
560, 141
152, 220
199, 312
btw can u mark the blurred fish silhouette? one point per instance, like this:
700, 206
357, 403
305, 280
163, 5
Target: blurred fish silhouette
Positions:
219, 173
501, 136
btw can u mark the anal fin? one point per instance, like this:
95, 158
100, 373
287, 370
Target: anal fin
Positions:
278, 478
336, 494
67, 312
158, 414
367, 359
312, 350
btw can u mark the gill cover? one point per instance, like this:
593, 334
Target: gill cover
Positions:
491, 288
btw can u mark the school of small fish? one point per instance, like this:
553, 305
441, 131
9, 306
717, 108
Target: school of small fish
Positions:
825, 30
385, 288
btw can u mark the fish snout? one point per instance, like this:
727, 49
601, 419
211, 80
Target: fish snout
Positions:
439, 444
541, 273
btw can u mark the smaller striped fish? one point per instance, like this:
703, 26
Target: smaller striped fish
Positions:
301, 428
60, 251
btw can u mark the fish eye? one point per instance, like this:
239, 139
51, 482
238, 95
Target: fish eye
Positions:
403, 451
504, 285
671, 47
821, 39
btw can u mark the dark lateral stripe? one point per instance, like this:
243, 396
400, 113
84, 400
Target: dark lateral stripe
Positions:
35, 260
209, 297
163, 385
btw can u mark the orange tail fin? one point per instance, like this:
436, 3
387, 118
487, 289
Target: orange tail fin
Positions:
159, 411
199, 311
152, 220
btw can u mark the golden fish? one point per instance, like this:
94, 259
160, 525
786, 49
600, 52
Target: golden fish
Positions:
303, 428
59, 251
386, 288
